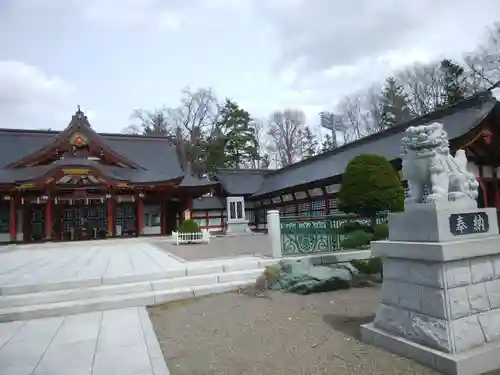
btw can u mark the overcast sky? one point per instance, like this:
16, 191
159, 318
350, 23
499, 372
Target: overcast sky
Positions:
111, 56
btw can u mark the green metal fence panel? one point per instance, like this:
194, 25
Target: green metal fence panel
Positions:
302, 235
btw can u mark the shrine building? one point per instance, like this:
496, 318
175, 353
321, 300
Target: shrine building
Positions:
78, 184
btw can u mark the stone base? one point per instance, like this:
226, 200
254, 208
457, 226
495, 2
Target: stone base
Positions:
238, 227
473, 362
430, 223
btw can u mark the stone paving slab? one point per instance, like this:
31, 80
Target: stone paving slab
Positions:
98, 343
99, 259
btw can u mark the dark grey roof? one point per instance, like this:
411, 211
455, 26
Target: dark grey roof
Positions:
192, 181
241, 181
209, 203
157, 156
457, 120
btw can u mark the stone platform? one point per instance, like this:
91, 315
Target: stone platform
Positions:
440, 301
38, 281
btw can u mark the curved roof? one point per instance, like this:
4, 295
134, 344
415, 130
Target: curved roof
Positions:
241, 181
457, 120
157, 156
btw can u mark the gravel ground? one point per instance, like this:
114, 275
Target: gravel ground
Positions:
220, 247
285, 334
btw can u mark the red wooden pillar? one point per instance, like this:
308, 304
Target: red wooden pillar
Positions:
48, 219
12, 219
483, 185
163, 219
111, 217
140, 216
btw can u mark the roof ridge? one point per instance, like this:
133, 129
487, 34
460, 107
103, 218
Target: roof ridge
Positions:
434, 115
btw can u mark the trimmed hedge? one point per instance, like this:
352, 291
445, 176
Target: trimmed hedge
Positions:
189, 226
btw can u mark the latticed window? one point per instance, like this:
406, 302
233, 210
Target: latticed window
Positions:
333, 204
290, 210
318, 208
304, 209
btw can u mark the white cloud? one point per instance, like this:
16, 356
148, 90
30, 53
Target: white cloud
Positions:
28, 95
336, 48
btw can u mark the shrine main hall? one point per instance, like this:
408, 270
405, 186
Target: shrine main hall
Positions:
78, 185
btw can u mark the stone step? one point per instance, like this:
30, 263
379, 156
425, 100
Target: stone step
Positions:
117, 301
104, 291
191, 269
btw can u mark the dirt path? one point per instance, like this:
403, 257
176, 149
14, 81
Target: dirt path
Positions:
286, 334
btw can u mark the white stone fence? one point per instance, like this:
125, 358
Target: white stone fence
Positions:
185, 238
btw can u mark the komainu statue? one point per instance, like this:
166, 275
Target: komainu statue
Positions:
428, 163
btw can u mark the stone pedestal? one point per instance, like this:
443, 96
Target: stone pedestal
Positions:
236, 222
440, 300
235, 227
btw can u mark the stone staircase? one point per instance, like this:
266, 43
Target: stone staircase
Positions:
22, 302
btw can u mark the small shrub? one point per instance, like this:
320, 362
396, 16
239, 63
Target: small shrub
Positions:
371, 266
381, 232
352, 226
358, 239
189, 226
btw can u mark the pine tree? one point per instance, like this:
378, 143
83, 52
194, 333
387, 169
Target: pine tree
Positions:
328, 143
237, 140
309, 143
454, 82
394, 104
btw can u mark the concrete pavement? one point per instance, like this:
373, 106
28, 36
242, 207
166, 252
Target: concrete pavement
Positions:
98, 343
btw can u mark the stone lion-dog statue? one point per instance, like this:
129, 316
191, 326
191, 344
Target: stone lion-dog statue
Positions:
428, 163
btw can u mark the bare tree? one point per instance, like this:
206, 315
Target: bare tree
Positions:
373, 110
424, 85
353, 117
194, 120
484, 62
150, 123
262, 136
285, 132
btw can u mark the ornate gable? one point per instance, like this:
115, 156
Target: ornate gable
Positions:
77, 140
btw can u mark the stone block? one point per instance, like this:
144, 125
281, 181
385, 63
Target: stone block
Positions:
437, 251
410, 297
481, 269
467, 333
204, 269
219, 288
430, 223
495, 259
390, 292
478, 299
241, 266
172, 295
434, 302
458, 273
427, 274
429, 331
490, 324
493, 292
459, 302
396, 269
392, 319
227, 277
476, 362
184, 282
